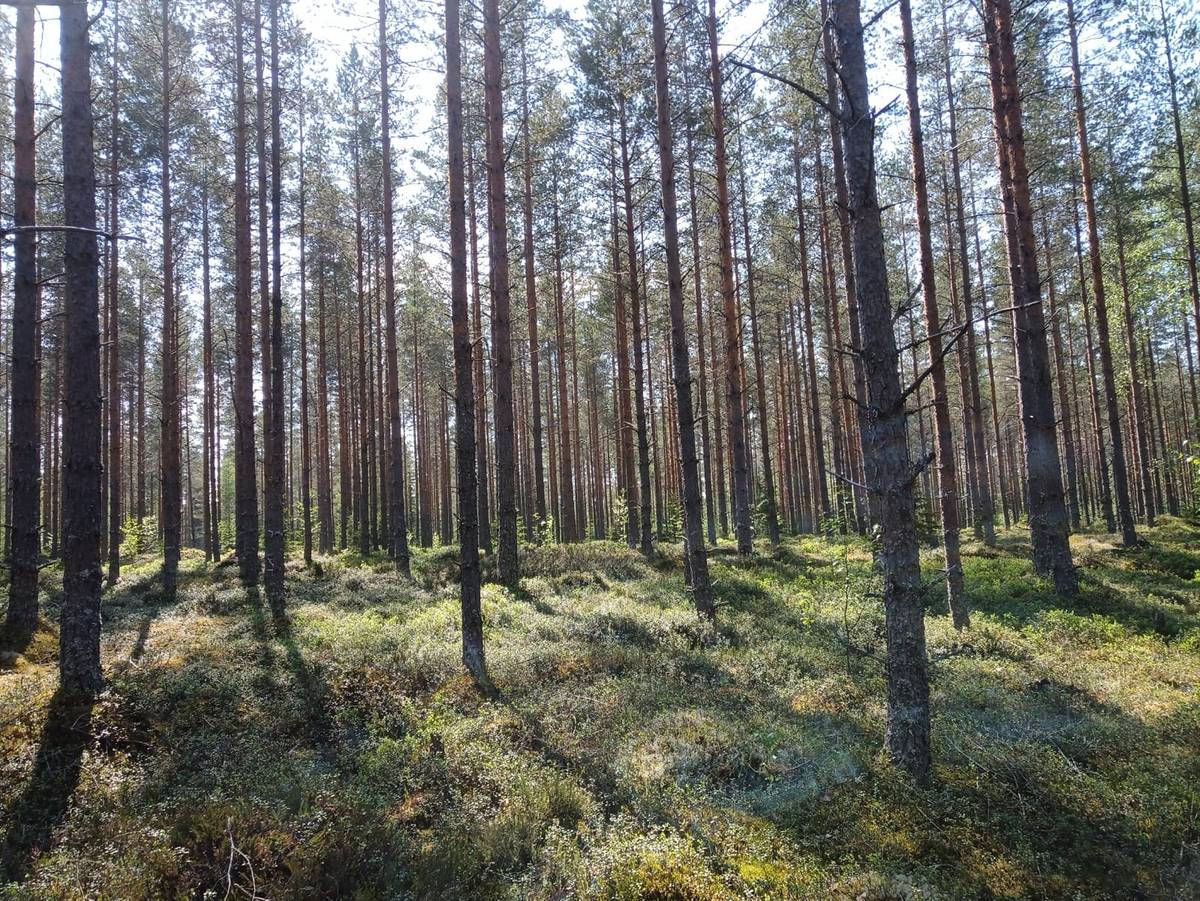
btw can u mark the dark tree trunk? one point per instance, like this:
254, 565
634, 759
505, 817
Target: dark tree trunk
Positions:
885, 445
212, 545
1064, 404
274, 462
735, 407
479, 349
506, 498
944, 436
397, 515
83, 469
24, 430
531, 310
113, 355
171, 491
760, 376
693, 525
1119, 471
245, 465
701, 364
1047, 508
324, 476
814, 394
639, 368
985, 504
305, 437
570, 531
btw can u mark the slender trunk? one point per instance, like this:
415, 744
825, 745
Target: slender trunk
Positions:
506, 499
760, 376
212, 546
1047, 507
943, 435
814, 395
478, 350
885, 445
1064, 405
171, 491
735, 407
245, 489
701, 364
1119, 471
397, 541
305, 437
24, 430
566, 486
113, 356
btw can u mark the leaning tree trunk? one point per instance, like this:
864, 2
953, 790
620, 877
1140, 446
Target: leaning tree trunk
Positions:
693, 523
497, 152
83, 469
464, 389
735, 408
25, 445
1046, 504
944, 436
889, 472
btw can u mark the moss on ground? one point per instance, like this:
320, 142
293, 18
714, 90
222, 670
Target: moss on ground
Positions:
633, 752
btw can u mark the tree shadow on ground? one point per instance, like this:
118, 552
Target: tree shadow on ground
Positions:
42, 806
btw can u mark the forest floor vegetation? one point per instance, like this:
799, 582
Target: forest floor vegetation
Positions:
632, 751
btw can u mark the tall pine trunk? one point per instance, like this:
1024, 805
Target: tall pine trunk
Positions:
497, 151
83, 469
1047, 507
889, 471
464, 389
693, 524
24, 432
169, 442
944, 436
734, 404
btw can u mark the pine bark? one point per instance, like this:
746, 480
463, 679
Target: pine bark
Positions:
171, 488
245, 465
885, 447
24, 431
693, 524
943, 434
734, 404
79, 636
274, 463
506, 499
1047, 507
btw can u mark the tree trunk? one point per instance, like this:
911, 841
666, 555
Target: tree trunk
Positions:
947, 474
274, 463
506, 498
885, 446
397, 519
693, 524
24, 430
1119, 471
112, 337
986, 505
245, 465
83, 469
1047, 508
169, 441
479, 349
701, 364
734, 404
760, 377
305, 437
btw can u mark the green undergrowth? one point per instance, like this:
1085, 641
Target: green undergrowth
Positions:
631, 751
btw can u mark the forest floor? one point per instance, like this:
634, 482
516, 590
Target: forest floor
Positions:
339, 751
